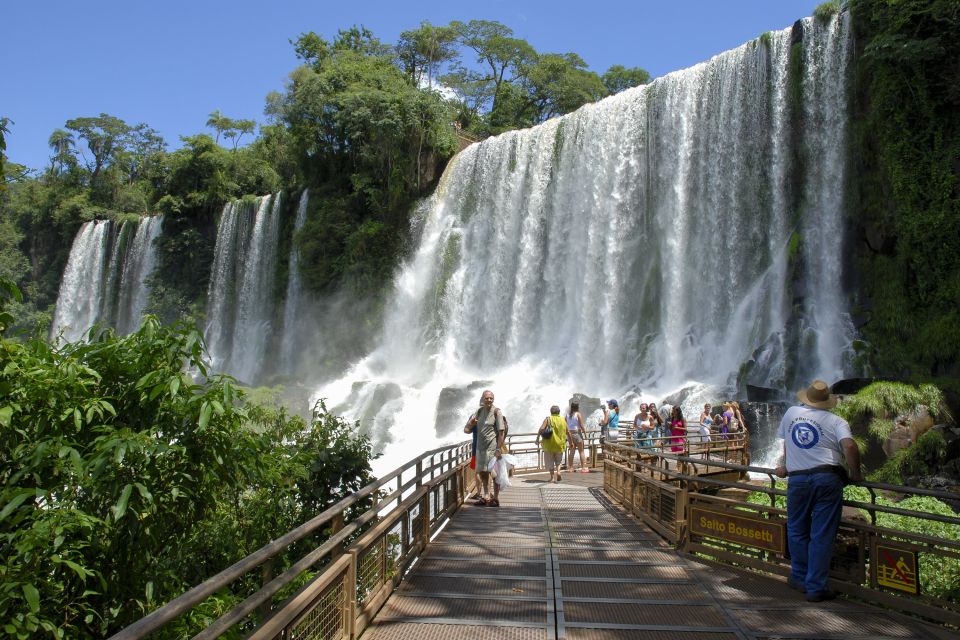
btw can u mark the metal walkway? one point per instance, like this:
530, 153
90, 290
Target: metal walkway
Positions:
560, 561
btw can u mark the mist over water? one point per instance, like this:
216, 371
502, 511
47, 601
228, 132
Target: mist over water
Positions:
650, 242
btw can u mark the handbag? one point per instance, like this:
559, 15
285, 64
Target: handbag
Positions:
473, 462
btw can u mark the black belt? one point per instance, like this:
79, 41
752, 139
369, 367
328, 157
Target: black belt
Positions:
824, 468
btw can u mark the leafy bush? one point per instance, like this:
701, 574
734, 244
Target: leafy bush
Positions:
939, 576
124, 480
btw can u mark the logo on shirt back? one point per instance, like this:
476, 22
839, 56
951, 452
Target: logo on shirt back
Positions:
804, 435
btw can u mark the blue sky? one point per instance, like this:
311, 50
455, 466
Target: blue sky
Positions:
169, 63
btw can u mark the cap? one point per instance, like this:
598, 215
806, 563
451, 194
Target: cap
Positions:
612, 403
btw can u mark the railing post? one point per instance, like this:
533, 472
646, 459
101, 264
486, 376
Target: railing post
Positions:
266, 575
336, 525
425, 514
350, 599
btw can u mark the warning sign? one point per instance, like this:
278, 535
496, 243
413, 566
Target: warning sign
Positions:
740, 528
897, 568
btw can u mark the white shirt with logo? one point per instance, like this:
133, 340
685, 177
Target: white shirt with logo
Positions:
812, 437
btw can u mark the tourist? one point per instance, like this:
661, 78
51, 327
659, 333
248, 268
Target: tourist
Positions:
706, 421
553, 438
815, 441
741, 423
576, 432
678, 430
658, 431
642, 428
704, 430
728, 425
610, 424
488, 421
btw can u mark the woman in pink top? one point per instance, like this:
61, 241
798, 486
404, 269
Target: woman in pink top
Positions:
678, 429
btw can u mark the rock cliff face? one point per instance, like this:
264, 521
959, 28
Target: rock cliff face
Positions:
907, 430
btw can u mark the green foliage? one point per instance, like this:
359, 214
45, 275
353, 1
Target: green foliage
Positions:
939, 576
123, 481
890, 399
618, 78
825, 11
908, 90
923, 458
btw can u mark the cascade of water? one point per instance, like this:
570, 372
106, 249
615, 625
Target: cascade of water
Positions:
291, 307
241, 286
826, 323
82, 286
105, 277
119, 244
231, 231
138, 265
641, 242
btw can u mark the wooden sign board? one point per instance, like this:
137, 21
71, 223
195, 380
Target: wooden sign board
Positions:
897, 568
737, 527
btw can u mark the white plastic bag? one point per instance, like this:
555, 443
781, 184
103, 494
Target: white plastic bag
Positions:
500, 469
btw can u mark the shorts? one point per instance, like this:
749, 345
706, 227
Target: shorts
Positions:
577, 439
552, 460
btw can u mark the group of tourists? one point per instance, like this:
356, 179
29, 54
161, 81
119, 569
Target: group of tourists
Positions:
815, 442
666, 426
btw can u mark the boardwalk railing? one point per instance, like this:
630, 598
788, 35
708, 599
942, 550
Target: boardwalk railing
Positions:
349, 575
699, 502
696, 498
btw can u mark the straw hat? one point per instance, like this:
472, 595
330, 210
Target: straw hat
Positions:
818, 395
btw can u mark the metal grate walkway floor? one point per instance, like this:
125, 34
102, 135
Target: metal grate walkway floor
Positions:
560, 561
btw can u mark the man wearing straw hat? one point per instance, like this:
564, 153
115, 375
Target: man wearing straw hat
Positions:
815, 441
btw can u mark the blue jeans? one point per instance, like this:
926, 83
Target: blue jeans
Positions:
814, 505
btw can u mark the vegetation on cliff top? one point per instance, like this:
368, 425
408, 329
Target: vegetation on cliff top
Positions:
360, 123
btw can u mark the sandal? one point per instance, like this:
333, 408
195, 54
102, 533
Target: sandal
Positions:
493, 503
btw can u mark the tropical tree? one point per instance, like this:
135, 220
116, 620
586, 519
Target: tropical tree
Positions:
500, 55
61, 143
559, 83
4, 131
424, 48
103, 135
618, 77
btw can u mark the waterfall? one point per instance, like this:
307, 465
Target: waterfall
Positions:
291, 307
240, 295
640, 245
82, 285
105, 280
139, 265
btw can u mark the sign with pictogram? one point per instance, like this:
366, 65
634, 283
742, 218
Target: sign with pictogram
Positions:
738, 527
897, 568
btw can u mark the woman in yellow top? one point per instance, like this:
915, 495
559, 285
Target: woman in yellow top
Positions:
553, 439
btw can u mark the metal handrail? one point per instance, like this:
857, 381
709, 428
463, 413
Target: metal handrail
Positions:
186, 601
643, 494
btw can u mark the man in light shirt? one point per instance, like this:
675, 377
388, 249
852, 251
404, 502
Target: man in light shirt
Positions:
815, 442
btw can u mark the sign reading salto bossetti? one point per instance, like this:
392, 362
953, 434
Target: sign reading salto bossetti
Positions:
737, 527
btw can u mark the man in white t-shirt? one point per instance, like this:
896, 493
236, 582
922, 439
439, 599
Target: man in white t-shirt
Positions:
815, 442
